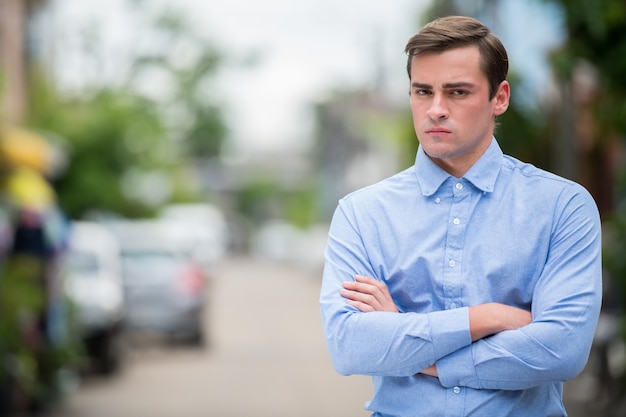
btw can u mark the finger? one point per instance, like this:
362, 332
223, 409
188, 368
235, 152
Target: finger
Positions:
365, 284
362, 298
365, 308
357, 296
367, 280
377, 289
361, 287
371, 281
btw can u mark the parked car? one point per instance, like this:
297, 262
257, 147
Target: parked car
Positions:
203, 224
93, 283
165, 289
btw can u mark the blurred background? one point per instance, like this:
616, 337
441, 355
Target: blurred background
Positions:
168, 171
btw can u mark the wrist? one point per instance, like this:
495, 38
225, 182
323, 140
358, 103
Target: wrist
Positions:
484, 320
490, 318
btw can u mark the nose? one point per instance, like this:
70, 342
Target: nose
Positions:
438, 108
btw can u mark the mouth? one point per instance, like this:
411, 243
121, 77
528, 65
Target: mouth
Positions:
437, 130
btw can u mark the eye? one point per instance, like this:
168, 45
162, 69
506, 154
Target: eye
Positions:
459, 93
421, 92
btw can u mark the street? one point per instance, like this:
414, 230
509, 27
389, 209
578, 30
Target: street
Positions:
266, 358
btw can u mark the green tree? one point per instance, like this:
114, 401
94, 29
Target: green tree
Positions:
104, 136
129, 150
596, 35
191, 110
596, 38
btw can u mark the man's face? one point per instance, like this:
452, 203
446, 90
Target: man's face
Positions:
452, 114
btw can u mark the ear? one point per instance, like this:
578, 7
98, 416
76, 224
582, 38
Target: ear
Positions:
501, 99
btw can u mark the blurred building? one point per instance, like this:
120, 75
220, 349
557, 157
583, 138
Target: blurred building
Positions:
356, 146
15, 54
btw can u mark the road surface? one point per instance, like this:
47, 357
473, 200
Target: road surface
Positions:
266, 358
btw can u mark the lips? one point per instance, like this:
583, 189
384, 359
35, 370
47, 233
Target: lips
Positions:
435, 130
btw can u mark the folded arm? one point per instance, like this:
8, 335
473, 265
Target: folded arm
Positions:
565, 308
368, 294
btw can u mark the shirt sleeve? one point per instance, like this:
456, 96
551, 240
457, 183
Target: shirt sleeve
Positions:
378, 343
565, 309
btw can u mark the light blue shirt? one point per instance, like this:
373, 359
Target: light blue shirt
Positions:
505, 232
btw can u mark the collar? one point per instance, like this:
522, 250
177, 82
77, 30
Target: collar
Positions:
482, 174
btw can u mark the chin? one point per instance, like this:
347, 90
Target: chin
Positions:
439, 152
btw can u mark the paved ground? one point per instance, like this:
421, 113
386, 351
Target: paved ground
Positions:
267, 359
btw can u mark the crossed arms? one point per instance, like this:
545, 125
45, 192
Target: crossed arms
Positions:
367, 295
484, 346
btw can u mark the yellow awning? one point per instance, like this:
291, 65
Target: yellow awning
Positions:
21, 147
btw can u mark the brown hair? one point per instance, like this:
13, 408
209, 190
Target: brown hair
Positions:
458, 31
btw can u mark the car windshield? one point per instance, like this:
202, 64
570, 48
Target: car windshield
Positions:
149, 265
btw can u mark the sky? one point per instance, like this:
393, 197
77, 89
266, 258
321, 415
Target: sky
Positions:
307, 48
304, 49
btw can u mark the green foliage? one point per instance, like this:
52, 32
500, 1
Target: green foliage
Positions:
192, 111
30, 362
613, 253
265, 199
114, 133
106, 135
597, 33
302, 207
522, 130
405, 134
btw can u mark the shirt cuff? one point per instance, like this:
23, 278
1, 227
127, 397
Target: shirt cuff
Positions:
449, 330
457, 369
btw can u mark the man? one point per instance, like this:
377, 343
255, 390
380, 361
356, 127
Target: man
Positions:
470, 283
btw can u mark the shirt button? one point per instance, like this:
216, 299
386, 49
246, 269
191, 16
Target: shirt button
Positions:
459, 186
437, 200
452, 305
452, 263
456, 221
456, 390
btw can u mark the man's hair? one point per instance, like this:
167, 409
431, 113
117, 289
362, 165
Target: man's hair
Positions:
458, 31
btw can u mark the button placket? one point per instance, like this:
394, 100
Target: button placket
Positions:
455, 244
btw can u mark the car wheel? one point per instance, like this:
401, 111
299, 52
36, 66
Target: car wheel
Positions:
107, 351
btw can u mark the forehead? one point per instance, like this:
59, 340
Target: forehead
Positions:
456, 64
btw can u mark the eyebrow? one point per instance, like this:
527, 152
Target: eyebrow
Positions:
445, 86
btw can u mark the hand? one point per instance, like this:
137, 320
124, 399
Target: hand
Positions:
368, 294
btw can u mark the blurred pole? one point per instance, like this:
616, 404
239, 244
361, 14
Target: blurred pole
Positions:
564, 149
12, 60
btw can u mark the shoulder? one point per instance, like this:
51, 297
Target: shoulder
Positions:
530, 174
543, 186
387, 197
391, 187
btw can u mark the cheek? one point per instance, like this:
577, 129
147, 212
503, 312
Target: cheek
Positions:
475, 114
